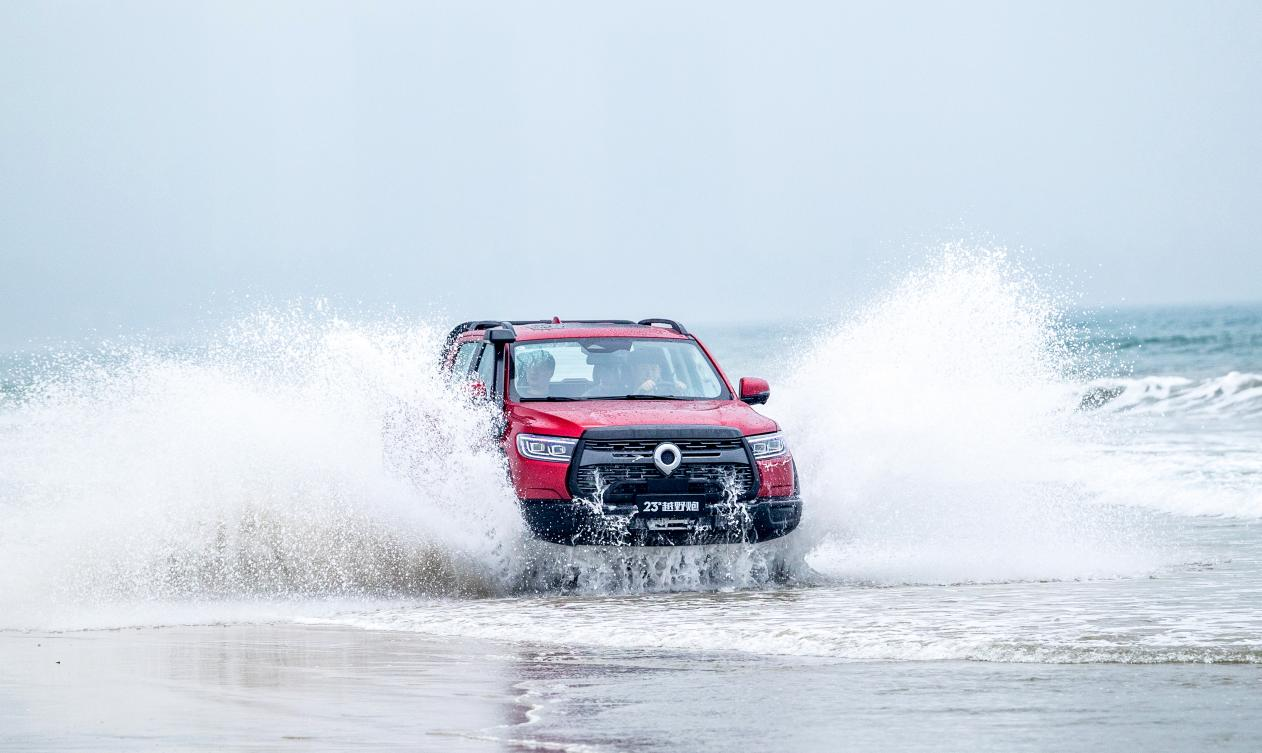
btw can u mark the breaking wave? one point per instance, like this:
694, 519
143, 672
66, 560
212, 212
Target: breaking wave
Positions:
1234, 395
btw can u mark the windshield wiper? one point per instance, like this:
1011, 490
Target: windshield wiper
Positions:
649, 397
550, 399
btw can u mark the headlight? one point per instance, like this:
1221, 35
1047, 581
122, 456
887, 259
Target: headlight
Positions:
556, 449
768, 445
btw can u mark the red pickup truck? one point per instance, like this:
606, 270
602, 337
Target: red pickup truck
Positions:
628, 433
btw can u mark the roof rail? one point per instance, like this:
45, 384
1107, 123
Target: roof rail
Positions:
473, 326
488, 324
558, 320
668, 322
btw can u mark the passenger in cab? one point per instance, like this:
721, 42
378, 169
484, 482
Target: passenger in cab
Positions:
606, 381
534, 373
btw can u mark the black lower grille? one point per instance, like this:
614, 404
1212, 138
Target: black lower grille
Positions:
622, 478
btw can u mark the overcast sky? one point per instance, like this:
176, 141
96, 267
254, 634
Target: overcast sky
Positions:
710, 161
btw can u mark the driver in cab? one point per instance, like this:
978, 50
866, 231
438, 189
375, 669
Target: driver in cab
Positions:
646, 376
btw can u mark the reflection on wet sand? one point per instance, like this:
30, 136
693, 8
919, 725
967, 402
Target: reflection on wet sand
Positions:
305, 687
257, 687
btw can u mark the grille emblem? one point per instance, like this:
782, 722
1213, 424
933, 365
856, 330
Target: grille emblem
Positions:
667, 458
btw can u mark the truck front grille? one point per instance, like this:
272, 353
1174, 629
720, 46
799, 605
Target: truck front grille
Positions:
615, 464
643, 448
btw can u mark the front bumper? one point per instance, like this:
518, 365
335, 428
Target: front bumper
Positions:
579, 522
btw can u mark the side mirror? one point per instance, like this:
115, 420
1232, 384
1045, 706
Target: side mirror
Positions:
754, 391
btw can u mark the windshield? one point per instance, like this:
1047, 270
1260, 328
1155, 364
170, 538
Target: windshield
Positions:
602, 368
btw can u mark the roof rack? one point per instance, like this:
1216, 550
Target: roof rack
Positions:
559, 320
500, 326
473, 326
668, 322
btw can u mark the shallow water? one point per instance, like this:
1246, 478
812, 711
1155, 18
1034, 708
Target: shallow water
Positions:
1199, 611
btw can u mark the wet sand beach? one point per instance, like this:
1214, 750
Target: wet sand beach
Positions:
249, 687
298, 687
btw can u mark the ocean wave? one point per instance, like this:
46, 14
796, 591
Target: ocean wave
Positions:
1236, 394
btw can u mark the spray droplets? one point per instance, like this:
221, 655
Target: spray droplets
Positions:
250, 468
939, 442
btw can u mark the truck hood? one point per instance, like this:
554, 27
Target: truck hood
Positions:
570, 419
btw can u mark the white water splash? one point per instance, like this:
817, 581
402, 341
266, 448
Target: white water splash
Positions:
250, 469
936, 442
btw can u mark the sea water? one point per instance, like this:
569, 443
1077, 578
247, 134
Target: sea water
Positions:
1010, 503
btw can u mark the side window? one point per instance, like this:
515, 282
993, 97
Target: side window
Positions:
486, 367
464, 357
